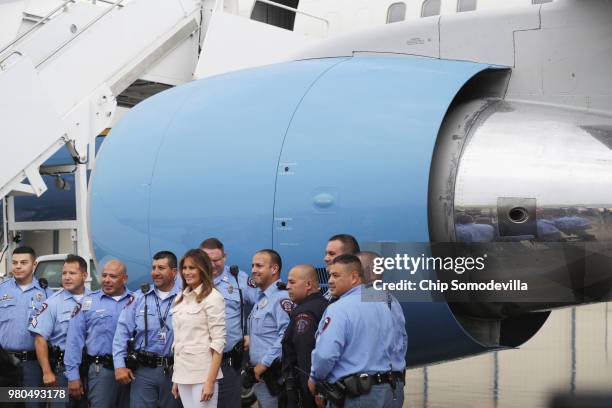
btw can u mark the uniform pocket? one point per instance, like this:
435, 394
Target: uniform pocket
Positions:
152, 321
7, 309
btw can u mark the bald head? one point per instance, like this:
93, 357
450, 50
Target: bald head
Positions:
367, 262
114, 277
302, 281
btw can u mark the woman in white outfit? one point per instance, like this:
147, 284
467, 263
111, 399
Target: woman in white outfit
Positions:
198, 317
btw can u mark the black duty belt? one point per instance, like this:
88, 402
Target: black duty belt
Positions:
361, 384
25, 355
227, 356
382, 378
56, 353
153, 360
106, 360
400, 375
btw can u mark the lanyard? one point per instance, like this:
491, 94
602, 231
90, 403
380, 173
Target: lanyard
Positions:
162, 320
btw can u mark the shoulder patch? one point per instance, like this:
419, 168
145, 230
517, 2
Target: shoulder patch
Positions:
130, 300
34, 321
326, 323
76, 310
251, 282
287, 305
43, 307
303, 322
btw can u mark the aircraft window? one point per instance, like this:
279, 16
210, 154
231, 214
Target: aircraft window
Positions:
396, 12
466, 5
540, 1
430, 8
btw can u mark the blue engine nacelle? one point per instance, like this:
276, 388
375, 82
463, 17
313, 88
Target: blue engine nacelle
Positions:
285, 156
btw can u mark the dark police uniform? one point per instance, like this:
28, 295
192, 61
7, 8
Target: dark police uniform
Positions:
18, 307
298, 343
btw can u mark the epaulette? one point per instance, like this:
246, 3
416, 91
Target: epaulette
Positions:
55, 294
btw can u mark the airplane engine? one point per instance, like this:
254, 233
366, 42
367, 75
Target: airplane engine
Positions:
390, 149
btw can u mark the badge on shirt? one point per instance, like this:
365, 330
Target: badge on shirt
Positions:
161, 336
262, 303
39, 297
251, 283
287, 305
230, 289
87, 304
5, 298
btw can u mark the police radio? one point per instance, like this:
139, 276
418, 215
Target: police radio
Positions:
237, 352
43, 283
144, 288
234, 270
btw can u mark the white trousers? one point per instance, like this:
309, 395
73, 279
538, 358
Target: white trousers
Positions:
192, 393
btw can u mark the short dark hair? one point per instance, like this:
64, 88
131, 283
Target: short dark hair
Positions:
350, 261
349, 242
172, 261
25, 250
275, 257
72, 258
212, 243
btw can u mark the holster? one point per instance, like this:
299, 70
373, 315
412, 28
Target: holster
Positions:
357, 385
56, 358
8, 361
247, 377
291, 393
272, 378
131, 358
11, 373
334, 393
237, 354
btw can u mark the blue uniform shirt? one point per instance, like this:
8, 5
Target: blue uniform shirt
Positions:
400, 342
17, 309
52, 321
132, 322
226, 284
400, 337
353, 337
267, 323
93, 327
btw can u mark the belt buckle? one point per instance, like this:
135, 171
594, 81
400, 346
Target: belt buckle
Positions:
22, 355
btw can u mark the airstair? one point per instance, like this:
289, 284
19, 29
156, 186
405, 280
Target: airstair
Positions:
60, 78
